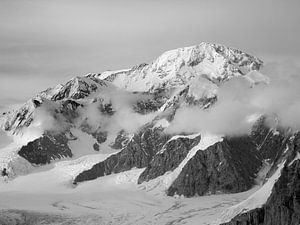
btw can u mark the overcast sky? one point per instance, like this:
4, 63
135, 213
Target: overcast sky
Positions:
43, 43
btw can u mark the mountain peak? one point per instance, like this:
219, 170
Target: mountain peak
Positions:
201, 68
177, 67
78, 87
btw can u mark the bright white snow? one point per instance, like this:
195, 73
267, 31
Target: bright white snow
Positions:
114, 199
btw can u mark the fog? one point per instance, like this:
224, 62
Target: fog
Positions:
123, 116
241, 102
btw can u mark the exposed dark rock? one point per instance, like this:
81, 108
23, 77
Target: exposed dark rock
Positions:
96, 147
46, 148
68, 109
253, 217
228, 166
147, 106
121, 140
172, 155
138, 153
150, 102
283, 205
107, 109
84, 86
270, 142
100, 136
36, 103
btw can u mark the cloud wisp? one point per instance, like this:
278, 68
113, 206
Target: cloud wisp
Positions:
240, 103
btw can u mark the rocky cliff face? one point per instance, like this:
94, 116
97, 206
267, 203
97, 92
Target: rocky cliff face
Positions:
282, 207
137, 153
283, 204
45, 149
270, 141
226, 167
169, 157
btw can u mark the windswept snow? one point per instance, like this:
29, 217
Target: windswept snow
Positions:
54, 178
192, 136
114, 199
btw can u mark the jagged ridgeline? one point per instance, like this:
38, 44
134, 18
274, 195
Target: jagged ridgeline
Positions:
126, 114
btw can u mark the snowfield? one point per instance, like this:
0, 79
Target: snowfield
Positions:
45, 195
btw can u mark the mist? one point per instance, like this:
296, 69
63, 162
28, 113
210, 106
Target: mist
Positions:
241, 101
122, 117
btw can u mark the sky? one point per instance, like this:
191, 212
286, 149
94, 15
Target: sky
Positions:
44, 43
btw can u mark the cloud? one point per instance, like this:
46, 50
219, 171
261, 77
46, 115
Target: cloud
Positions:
123, 118
47, 118
240, 102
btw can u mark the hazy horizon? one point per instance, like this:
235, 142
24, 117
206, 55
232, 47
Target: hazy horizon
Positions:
44, 43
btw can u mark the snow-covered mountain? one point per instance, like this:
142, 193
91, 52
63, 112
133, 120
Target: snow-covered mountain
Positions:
116, 123
179, 66
201, 67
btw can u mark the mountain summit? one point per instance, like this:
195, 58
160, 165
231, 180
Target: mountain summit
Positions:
177, 67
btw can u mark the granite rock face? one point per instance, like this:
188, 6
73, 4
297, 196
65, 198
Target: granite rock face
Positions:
283, 205
253, 217
137, 153
228, 166
46, 148
269, 142
171, 155
151, 102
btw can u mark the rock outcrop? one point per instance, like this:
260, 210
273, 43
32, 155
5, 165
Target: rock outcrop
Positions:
138, 153
229, 166
169, 157
46, 148
270, 142
283, 205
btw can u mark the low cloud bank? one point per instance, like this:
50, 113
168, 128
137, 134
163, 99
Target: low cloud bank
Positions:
242, 100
